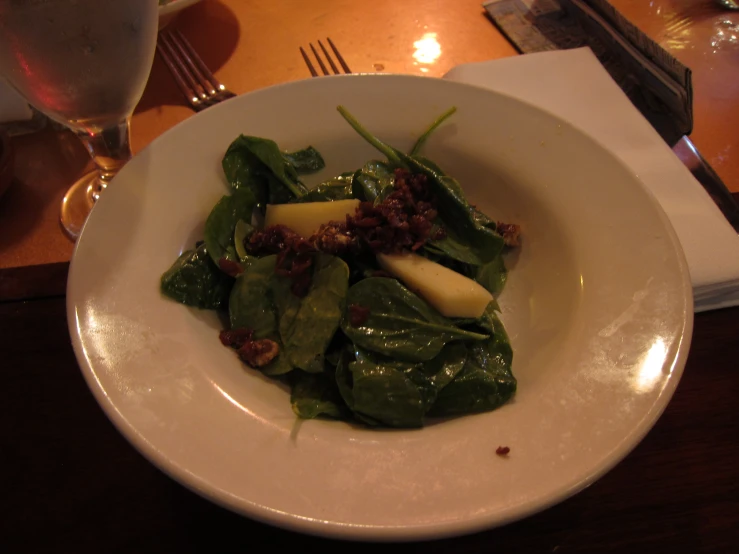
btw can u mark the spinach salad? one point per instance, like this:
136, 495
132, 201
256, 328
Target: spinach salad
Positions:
354, 311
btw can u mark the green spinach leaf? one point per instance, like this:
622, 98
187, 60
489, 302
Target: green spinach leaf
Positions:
338, 188
279, 366
250, 304
452, 247
371, 180
486, 381
424, 137
258, 164
242, 231
316, 394
458, 216
221, 223
400, 324
243, 170
438, 372
277, 193
307, 325
343, 376
307, 160
442, 369
388, 391
454, 210
385, 391
432, 165
196, 281
492, 275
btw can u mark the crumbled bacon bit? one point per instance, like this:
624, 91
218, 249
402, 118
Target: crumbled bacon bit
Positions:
230, 267
235, 338
502, 451
294, 254
258, 353
402, 220
272, 240
405, 217
335, 238
358, 315
509, 232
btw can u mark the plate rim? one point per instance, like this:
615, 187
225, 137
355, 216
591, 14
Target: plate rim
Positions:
383, 533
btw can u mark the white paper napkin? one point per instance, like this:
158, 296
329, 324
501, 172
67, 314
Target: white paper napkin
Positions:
13, 106
574, 85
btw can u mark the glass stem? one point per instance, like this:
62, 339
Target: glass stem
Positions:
110, 149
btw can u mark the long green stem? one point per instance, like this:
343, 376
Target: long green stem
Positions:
386, 149
422, 139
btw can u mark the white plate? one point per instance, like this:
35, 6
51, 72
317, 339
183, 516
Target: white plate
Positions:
598, 308
169, 8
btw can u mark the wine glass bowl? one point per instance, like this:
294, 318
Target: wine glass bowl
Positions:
84, 64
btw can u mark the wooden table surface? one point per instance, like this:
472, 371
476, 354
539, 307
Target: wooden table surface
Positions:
71, 482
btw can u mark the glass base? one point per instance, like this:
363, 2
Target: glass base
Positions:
77, 203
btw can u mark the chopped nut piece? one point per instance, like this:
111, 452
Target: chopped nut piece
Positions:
258, 353
509, 232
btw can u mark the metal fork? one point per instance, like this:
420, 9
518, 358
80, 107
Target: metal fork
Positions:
195, 80
330, 61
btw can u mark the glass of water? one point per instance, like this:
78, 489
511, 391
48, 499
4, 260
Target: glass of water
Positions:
84, 64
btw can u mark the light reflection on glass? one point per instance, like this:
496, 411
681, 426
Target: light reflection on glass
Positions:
427, 48
651, 368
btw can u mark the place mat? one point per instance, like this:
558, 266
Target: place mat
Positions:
655, 82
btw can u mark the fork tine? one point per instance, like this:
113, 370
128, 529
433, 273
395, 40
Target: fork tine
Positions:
193, 77
328, 57
179, 79
308, 63
180, 71
178, 43
318, 59
338, 55
199, 64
